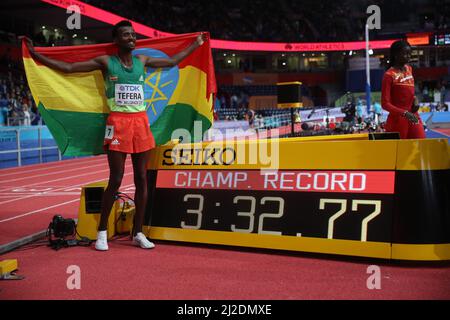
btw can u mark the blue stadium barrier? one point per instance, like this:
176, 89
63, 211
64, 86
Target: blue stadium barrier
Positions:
425, 116
24, 145
441, 117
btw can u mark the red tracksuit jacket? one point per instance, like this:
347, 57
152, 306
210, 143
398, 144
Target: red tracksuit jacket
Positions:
397, 96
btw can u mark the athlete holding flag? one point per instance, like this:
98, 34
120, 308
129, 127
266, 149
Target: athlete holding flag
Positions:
127, 126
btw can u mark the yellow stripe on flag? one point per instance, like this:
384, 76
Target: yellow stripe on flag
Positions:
191, 90
75, 92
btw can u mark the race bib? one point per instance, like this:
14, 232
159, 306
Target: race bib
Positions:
109, 132
129, 94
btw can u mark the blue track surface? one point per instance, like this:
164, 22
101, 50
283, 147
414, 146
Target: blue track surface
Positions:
434, 135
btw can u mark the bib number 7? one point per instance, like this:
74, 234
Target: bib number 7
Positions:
109, 132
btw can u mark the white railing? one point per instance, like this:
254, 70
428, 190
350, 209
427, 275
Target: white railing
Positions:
19, 150
274, 121
20, 121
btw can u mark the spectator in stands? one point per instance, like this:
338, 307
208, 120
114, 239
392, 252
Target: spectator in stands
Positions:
297, 117
397, 96
234, 101
442, 107
350, 111
26, 115
223, 102
242, 113
246, 65
359, 111
250, 117
377, 111
425, 96
437, 94
40, 39
425, 108
36, 117
3, 87
443, 91
217, 104
244, 100
3, 110
13, 106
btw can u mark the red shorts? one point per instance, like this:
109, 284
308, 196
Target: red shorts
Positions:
128, 132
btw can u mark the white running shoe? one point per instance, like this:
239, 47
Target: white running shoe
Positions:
142, 241
102, 241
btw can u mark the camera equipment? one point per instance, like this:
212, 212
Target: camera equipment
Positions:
61, 228
306, 126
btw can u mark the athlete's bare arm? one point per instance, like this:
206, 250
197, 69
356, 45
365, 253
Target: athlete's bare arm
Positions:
98, 63
174, 60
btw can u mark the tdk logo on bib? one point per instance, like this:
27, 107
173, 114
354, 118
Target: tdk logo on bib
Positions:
129, 94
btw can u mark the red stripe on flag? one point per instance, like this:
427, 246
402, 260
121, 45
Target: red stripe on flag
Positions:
201, 58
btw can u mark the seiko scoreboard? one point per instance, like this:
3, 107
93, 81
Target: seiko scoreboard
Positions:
338, 195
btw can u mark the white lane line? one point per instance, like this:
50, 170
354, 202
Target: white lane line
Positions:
38, 188
50, 173
42, 194
59, 179
48, 192
53, 164
44, 166
127, 165
39, 210
69, 186
46, 208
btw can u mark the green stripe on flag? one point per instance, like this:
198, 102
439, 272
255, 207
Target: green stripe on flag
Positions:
76, 133
82, 133
178, 116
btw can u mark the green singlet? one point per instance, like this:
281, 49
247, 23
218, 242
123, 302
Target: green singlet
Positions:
125, 86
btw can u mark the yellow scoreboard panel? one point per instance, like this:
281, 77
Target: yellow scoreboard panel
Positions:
337, 195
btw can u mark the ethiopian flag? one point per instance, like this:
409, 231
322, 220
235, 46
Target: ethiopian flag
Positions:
74, 105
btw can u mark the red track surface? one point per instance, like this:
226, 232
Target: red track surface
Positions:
31, 195
445, 131
186, 272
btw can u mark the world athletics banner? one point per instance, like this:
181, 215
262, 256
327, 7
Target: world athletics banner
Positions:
74, 105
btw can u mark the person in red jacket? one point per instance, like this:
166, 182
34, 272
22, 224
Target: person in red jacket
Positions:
397, 94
